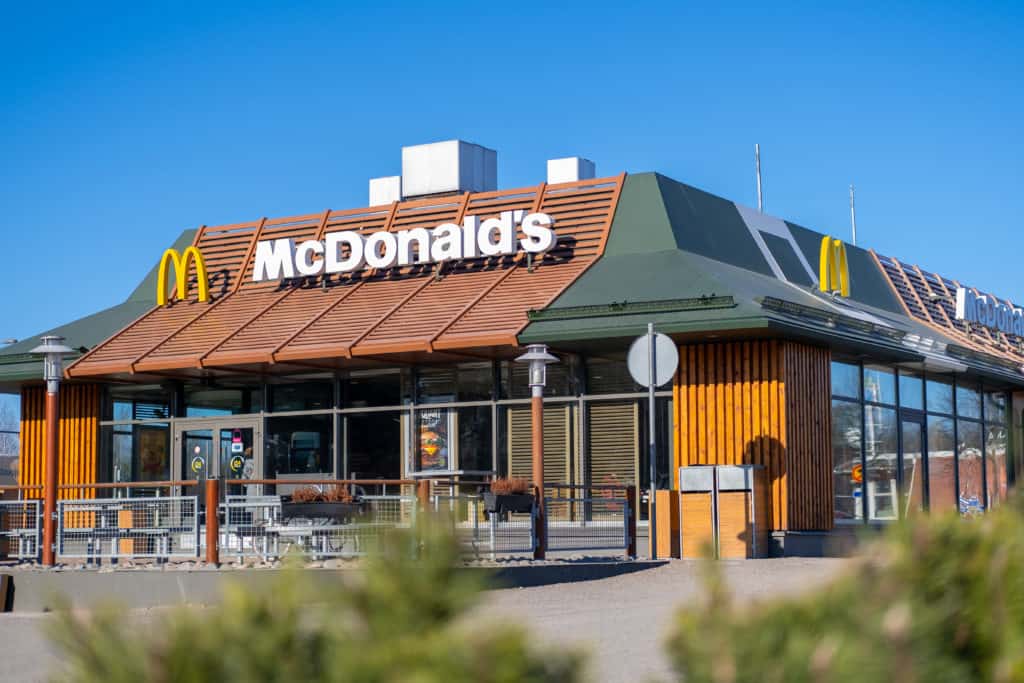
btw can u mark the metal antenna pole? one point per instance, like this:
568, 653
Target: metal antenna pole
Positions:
652, 528
853, 216
757, 163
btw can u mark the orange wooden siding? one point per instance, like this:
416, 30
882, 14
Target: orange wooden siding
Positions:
761, 403
79, 436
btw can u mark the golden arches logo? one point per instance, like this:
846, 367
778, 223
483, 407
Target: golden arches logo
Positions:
181, 264
833, 271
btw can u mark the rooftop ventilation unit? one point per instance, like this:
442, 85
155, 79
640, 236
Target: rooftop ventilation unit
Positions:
570, 169
450, 167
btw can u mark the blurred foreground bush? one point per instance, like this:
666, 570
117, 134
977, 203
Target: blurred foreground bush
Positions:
395, 620
938, 599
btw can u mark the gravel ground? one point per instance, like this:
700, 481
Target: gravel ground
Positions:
621, 621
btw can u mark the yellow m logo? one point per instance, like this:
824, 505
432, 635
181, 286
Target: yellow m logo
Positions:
833, 273
181, 263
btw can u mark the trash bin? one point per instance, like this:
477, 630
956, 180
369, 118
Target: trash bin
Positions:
725, 505
696, 509
742, 511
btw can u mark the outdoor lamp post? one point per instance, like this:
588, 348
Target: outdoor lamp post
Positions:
538, 358
53, 352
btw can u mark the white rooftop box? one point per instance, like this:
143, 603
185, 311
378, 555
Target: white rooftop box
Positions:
570, 169
450, 166
385, 190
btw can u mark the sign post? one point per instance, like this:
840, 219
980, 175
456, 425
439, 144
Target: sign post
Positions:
652, 361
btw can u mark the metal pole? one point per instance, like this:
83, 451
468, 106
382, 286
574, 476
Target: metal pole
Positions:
537, 424
853, 216
757, 162
652, 525
50, 484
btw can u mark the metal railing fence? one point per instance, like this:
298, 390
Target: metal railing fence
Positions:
99, 528
480, 531
573, 523
20, 529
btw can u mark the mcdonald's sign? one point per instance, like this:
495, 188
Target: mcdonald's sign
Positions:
181, 263
833, 272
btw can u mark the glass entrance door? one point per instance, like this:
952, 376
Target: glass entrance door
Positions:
221, 448
913, 476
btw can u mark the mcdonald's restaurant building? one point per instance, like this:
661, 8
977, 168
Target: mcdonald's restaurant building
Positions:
379, 342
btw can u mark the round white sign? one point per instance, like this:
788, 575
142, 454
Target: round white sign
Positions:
666, 358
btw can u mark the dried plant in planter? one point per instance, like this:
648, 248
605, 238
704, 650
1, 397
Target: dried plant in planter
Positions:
511, 486
330, 494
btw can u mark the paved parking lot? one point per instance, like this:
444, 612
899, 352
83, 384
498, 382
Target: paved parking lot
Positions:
621, 621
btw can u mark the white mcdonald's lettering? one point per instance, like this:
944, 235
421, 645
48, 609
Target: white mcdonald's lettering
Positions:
989, 312
347, 251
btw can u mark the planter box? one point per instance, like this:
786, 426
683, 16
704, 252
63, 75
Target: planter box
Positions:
337, 512
513, 502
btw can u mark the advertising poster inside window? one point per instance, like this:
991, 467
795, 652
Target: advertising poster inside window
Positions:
153, 464
434, 431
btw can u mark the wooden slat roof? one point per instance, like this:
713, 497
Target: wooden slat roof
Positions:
931, 299
473, 304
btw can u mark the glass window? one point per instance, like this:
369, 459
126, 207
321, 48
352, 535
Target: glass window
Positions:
377, 389
995, 465
881, 445
846, 462
146, 402
911, 391
939, 396
434, 439
845, 379
475, 438
968, 401
310, 395
214, 402
476, 381
941, 464
995, 407
374, 445
913, 468
138, 452
969, 468
605, 376
468, 382
879, 384
298, 445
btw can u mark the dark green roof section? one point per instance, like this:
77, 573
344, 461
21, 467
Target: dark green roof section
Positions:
867, 283
17, 365
787, 259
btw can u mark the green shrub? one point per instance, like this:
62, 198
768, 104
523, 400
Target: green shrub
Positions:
937, 599
395, 620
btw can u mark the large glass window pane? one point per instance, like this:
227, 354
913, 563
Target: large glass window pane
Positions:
846, 462
845, 379
607, 376
939, 396
475, 444
969, 464
941, 464
144, 402
138, 452
299, 445
913, 468
214, 402
881, 445
879, 384
377, 389
436, 385
996, 466
995, 407
374, 448
309, 395
911, 391
476, 381
968, 401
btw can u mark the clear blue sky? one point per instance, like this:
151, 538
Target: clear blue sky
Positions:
121, 126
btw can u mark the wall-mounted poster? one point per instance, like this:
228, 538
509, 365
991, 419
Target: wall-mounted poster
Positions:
153, 463
433, 439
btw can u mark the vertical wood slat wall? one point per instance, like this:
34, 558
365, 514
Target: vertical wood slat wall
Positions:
78, 441
761, 403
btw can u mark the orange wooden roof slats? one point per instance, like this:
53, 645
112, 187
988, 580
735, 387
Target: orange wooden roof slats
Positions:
458, 305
